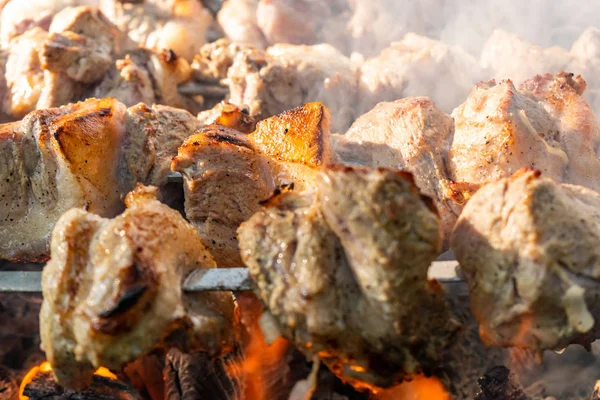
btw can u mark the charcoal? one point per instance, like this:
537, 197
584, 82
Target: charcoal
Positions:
43, 387
500, 383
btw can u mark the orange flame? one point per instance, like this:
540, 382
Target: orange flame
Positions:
261, 361
46, 367
420, 388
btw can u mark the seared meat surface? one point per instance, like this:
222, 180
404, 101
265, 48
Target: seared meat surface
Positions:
56, 163
343, 269
82, 55
528, 248
86, 155
413, 135
499, 130
578, 129
228, 173
546, 125
287, 76
112, 290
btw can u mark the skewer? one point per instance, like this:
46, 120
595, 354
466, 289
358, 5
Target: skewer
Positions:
232, 279
202, 89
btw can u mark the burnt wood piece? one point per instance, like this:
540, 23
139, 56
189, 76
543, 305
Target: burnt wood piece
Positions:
196, 376
43, 387
500, 383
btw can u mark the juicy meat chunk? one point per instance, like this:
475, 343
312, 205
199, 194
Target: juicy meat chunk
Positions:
499, 130
287, 76
86, 155
148, 77
578, 129
112, 290
546, 125
411, 134
178, 25
238, 20
225, 179
228, 173
153, 136
23, 73
17, 18
528, 248
343, 269
304, 22
418, 66
60, 158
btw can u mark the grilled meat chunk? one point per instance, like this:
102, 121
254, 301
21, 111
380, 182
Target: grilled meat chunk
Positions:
112, 290
287, 76
343, 269
237, 18
528, 247
411, 134
86, 155
15, 19
178, 25
60, 158
23, 74
228, 173
225, 179
499, 130
578, 129
546, 125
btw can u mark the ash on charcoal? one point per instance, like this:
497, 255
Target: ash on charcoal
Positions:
43, 387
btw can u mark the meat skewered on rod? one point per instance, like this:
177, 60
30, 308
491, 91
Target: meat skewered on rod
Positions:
230, 279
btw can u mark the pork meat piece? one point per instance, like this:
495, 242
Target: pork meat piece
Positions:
146, 76
80, 49
578, 129
85, 155
228, 115
528, 248
418, 66
411, 134
23, 74
178, 25
153, 136
343, 270
112, 290
59, 159
238, 20
17, 18
228, 173
305, 22
287, 76
499, 130
214, 59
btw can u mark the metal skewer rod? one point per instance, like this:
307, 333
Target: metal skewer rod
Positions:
217, 279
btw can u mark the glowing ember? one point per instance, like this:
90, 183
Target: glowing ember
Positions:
46, 367
420, 388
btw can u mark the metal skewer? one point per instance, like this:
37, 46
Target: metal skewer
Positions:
216, 279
